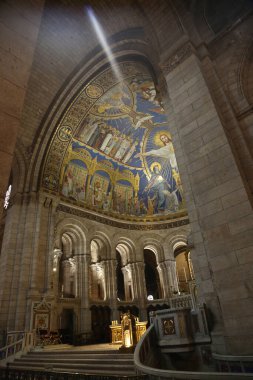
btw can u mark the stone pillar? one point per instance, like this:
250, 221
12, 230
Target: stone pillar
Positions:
164, 281
51, 204
171, 268
82, 263
93, 282
24, 230
139, 277
26, 244
42, 257
19, 33
111, 286
57, 253
65, 268
218, 203
9, 262
135, 290
100, 280
125, 271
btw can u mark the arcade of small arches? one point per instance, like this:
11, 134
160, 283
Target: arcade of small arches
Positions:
95, 277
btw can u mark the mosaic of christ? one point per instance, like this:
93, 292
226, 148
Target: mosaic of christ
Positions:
120, 159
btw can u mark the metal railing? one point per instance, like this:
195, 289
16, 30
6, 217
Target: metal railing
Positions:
12, 374
232, 363
183, 301
147, 347
18, 343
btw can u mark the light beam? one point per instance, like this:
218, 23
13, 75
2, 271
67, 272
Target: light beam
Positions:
102, 39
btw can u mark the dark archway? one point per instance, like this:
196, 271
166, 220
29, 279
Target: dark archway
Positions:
100, 322
120, 279
151, 275
67, 326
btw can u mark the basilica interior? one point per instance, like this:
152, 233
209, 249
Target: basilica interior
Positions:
126, 170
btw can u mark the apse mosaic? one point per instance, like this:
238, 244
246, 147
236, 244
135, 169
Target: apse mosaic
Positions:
112, 151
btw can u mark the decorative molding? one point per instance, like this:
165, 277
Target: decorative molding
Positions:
177, 58
42, 305
129, 226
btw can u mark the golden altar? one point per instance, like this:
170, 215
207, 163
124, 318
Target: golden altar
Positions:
117, 333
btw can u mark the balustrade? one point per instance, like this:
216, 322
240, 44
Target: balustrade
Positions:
146, 360
18, 342
13, 374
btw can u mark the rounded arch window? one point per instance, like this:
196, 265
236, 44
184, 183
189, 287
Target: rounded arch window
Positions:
184, 268
153, 283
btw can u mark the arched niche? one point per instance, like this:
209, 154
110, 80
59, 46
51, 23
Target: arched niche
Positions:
184, 267
97, 272
152, 277
70, 241
124, 271
67, 276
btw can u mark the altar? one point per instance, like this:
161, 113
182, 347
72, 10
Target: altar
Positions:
136, 330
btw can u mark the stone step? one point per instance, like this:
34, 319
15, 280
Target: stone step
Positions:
76, 351
77, 360
72, 365
28, 360
102, 372
65, 353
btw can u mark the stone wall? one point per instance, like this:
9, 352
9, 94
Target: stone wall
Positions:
19, 26
206, 82
219, 206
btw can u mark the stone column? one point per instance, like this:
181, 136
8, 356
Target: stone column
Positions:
111, 286
82, 263
42, 257
171, 269
39, 229
125, 271
57, 253
31, 220
15, 72
93, 282
141, 290
164, 281
50, 230
9, 262
65, 268
135, 291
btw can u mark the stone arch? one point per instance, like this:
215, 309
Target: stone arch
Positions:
67, 244
237, 76
153, 256
125, 47
125, 255
103, 242
59, 180
19, 169
126, 248
77, 231
100, 252
155, 245
184, 268
247, 75
94, 251
176, 241
70, 240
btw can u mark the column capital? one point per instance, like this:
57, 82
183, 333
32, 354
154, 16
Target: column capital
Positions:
57, 252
